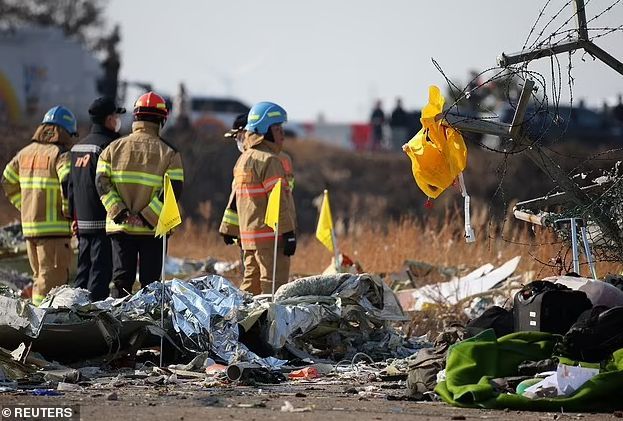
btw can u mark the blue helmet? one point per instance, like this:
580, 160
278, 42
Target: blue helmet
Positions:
62, 117
263, 115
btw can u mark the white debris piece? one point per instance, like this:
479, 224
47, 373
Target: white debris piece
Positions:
288, 407
451, 292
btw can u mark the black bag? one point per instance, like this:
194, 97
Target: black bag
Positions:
547, 307
595, 336
497, 318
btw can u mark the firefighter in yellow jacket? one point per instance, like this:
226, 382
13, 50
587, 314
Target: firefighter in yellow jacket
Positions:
229, 228
35, 181
129, 180
256, 172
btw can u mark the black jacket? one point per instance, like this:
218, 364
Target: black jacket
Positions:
84, 202
399, 118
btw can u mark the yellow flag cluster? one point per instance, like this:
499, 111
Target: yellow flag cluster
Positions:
170, 214
438, 153
324, 229
272, 209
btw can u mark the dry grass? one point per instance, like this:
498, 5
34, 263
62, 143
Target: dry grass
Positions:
382, 247
370, 192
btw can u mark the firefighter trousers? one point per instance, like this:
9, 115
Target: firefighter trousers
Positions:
258, 270
94, 265
49, 259
127, 251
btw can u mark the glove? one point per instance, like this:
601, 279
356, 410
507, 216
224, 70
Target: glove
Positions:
137, 220
121, 217
289, 243
144, 221
229, 239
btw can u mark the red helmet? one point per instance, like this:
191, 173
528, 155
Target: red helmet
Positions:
151, 104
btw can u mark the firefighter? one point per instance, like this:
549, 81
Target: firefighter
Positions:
229, 228
256, 172
129, 180
35, 182
95, 256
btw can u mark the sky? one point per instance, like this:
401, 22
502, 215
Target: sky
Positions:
336, 57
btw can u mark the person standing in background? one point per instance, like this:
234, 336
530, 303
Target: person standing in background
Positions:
256, 173
36, 182
399, 123
94, 271
129, 180
377, 121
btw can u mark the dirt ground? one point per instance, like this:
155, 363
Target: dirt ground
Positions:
318, 400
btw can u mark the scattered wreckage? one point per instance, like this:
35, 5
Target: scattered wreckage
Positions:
327, 329
207, 319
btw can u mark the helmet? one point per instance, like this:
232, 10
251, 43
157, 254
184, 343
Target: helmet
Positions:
151, 104
238, 125
62, 117
240, 121
263, 115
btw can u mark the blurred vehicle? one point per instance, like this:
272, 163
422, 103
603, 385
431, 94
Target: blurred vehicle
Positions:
414, 123
217, 114
210, 115
567, 124
205, 109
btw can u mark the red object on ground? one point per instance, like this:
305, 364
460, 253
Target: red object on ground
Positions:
27, 292
304, 374
216, 368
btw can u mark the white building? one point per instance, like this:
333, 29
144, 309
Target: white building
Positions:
40, 68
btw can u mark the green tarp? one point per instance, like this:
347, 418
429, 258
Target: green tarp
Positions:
473, 363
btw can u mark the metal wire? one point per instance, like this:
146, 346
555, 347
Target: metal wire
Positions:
546, 101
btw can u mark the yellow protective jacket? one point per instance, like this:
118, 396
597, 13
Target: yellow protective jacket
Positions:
35, 182
230, 224
256, 172
130, 176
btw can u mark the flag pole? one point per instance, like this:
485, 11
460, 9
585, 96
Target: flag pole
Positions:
336, 252
164, 256
168, 219
272, 297
271, 219
162, 275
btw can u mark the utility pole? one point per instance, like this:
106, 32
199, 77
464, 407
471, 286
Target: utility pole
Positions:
580, 42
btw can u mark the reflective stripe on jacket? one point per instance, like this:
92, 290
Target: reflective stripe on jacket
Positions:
230, 223
35, 182
256, 172
129, 177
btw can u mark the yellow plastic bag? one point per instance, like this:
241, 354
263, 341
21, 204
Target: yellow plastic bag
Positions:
438, 154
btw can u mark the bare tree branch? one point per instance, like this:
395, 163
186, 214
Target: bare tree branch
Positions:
80, 19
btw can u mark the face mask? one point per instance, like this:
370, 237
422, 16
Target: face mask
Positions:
117, 125
239, 143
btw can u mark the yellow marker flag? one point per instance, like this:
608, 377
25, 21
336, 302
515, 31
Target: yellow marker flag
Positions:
324, 230
272, 210
170, 213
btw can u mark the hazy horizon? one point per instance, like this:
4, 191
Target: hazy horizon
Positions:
337, 58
